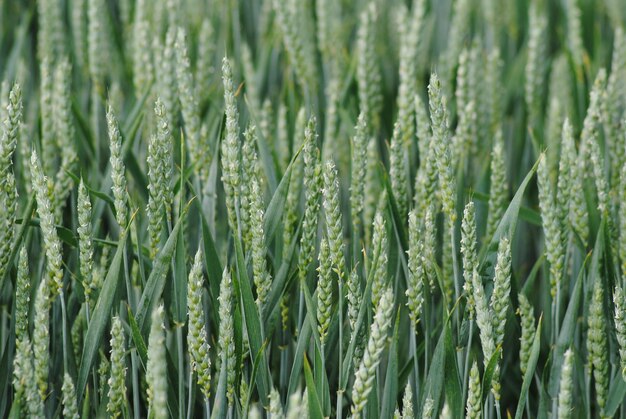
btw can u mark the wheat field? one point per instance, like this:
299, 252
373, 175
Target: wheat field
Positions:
313, 208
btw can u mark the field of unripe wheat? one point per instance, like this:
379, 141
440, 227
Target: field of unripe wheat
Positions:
313, 208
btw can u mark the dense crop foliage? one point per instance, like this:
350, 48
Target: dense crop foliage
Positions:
312, 208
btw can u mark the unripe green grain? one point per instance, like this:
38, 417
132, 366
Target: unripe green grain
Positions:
368, 73
117, 379
52, 244
498, 191
85, 243
313, 184
473, 407
226, 341
597, 343
441, 139
156, 369
379, 254
70, 410
24, 380
500, 298
417, 275
324, 290
358, 172
118, 175
469, 252
41, 338
566, 386
527, 319
230, 146
366, 373
197, 340
333, 218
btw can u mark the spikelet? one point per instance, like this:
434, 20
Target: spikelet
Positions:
296, 408
287, 20
97, 43
379, 254
226, 341
409, 26
249, 171
469, 253
616, 103
85, 243
459, 27
230, 146
9, 202
70, 410
366, 373
312, 191
41, 338
619, 299
166, 73
578, 206
535, 62
196, 336
50, 34
332, 148
205, 66
555, 251
78, 16
198, 151
483, 319
407, 402
417, 275
118, 175
333, 218
324, 290
372, 187
439, 123
143, 67
368, 74
64, 132
354, 298
493, 84
597, 343
358, 171
397, 170
292, 204
156, 369
328, 14
590, 141
159, 174
527, 320
262, 278
500, 298
473, 408
24, 380
564, 181
275, 408
574, 35
22, 296
52, 244
10, 130
117, 379
427, 409
498, 191
566, 386
46, 105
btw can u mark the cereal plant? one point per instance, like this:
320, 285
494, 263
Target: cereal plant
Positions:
313, 208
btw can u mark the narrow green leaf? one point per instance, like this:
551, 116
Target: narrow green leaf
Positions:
99, 318
315, 408
156, 281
